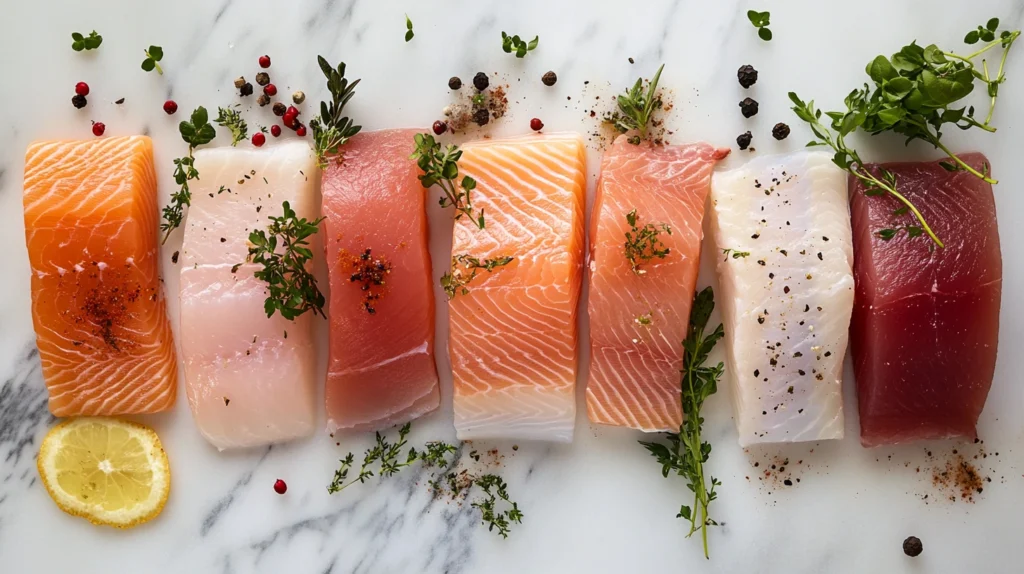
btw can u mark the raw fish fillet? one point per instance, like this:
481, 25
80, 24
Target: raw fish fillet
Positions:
926, 322
786, 306
381, 370
251, 380
101, 325
637, 322
513, 336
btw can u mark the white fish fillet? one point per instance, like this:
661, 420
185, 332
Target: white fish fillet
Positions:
786, 306
248, 383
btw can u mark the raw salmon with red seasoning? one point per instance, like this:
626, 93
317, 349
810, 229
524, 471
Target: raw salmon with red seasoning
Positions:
101, 326
513, 335
638, 318
381, 370
926, 319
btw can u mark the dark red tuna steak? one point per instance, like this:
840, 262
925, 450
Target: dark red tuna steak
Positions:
925, 320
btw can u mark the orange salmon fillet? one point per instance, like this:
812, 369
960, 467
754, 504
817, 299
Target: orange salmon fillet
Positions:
638, 321
91, 228
513, 336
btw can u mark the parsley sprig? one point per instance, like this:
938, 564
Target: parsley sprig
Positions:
493, 518
153, 55
331, 129
636, 107
516, 44
90, 42
196, 131
686, 451
231, 118
292, 287
642, 243
441, 167
464, 270
761, 21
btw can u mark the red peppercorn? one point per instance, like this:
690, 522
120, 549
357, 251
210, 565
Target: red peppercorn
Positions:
292, 110
264, 61
275, 130
98, 128
440, 127
258, 139
536, 125
301, 131
279, 486
170, 107
270, 90
82, 89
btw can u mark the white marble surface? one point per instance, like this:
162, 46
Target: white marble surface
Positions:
599, 504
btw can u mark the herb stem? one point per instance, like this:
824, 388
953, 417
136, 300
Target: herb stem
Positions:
963, 165
872, 180
1000, 78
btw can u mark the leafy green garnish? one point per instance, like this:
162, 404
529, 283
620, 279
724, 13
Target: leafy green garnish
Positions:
464, 270
90, 42
293, 288
642, 243
686, 452
153, 55
196, 131
441, 168
331, 130
408, 29
636, 106
230, 118
517, 44
735, 254
491, 517
761, 21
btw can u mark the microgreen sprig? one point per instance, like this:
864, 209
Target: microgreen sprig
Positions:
464, 270
231, 118
516, 44
153, 55
440, 167
761, 21
636, 106
686, 451
196, 131
642, 243
90, 42
292, 287
734, 254
331, 129
408, 29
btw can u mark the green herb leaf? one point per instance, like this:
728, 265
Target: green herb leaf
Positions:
331, 129
493, 518
231, 118
465, 268
761, 21
642, 243
292, 287
195, 132
153, 55
408, 29
516, 44
636, 106
90, 42
440, 167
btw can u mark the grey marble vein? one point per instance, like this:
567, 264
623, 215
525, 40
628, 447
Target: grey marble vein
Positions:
224, 504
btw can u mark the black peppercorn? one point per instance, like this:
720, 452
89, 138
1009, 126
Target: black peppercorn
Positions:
454, 83
481, 117
743, 140
549, 79
280, 109
749, 107
481, 82
747, 75
262, 78
780, 131
912, 546
246, 89
79, 101
263, 100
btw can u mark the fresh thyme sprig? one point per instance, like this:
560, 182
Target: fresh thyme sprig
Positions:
196, 131
90, 42
686, 451
518, 45
735, 254
231, 118
761, 21
440, 167
331, 129
491, 517
465, 269
292, 287
636, 106
642, 243
153, 55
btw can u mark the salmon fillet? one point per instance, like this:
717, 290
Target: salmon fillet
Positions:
381, 370
926, 320
638, 321
251, 380
101, 325
786, 306
513, 336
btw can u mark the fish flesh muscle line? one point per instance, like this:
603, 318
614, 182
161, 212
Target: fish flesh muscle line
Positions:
926, 320
513, 337
91, 219
637, 319
381, 370
786, 306
250, 379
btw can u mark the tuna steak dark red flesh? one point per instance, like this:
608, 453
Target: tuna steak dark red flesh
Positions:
925, 321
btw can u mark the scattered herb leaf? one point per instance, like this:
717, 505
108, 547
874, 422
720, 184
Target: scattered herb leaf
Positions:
493, 518
761, 21
153, 55
642, 243
231, 118
408, 29
331, 130
196, 131
636, 106
735, 254
90, 42
464, 270
518, 45
441, 168
293, 289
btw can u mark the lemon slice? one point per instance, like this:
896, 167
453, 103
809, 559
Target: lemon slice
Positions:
105, 470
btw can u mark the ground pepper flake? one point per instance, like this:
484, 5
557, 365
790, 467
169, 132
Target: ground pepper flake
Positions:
370, 273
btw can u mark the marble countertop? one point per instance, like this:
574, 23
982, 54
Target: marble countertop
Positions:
600, 503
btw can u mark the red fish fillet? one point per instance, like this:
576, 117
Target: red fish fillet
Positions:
381, 369
925, 321
638, 319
